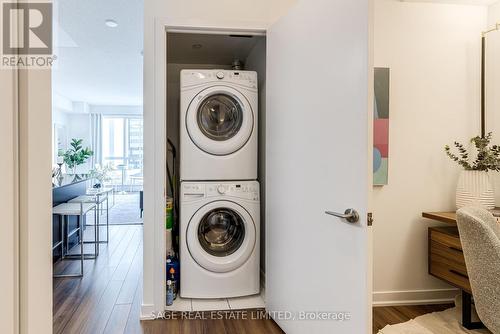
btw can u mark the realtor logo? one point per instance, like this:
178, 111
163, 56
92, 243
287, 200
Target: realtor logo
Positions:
27, 34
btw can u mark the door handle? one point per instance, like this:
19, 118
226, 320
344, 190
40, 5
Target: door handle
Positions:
350, 215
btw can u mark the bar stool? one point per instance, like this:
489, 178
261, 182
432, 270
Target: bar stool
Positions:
72, 209
98, 197
104, 192
108, 191
84, 199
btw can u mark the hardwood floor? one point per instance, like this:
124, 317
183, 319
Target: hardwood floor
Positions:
391, 315
108, 298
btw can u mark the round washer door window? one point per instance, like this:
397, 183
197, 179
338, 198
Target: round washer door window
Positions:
220, 120
221, 232
221, 236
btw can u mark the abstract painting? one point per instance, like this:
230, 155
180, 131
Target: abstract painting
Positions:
381, 127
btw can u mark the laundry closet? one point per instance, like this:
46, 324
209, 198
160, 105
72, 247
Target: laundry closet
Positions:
216, 170
313, 88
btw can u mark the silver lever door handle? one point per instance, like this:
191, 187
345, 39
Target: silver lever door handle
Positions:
350, 215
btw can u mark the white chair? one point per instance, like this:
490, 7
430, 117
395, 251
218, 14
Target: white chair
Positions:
72, 209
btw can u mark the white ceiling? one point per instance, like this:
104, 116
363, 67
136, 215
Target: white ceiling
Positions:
463, 2
95, 63
215, 49
103, 66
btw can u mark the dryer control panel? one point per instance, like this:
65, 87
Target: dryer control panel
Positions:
243, 190
197, 77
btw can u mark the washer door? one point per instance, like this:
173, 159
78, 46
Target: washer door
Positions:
221, 236
219, 120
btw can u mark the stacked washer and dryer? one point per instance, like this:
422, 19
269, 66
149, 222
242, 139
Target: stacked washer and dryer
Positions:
219, 198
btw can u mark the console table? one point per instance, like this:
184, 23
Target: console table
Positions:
447, 262
63, 190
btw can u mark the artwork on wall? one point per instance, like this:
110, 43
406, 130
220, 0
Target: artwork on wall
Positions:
381, 127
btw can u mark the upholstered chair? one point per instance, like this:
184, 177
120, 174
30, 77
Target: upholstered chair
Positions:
480, 237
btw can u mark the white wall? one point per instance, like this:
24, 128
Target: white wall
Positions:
433, 51
493, 84
223, 13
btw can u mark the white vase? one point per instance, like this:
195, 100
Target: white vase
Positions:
475, 188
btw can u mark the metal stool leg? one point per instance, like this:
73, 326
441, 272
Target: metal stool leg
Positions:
62, 222
64, 226
107, 218
80, 224
86, 256
107, 221
96, 228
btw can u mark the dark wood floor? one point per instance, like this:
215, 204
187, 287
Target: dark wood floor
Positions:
108, 298
392, 315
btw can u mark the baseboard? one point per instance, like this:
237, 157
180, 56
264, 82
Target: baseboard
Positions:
147, 312
414, 297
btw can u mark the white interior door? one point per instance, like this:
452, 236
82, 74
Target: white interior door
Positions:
318, 158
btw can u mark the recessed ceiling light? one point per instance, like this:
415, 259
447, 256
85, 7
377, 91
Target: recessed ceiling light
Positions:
197, 46
111, 23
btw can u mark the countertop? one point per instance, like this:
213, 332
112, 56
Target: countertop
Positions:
67, 180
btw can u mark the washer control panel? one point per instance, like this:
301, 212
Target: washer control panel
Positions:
245, 190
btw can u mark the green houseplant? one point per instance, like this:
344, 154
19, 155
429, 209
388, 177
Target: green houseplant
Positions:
474, 185
76, 155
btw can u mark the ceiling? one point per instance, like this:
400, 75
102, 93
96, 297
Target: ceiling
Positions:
208, 49
464, 2
103, 66
95, 63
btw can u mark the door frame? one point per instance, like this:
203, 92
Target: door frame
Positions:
9, 236
155, 134
32, 200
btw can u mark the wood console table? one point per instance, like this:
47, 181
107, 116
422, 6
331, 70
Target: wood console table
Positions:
447, 262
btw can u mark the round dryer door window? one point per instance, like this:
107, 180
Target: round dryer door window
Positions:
221, 236
220, 117
220, 120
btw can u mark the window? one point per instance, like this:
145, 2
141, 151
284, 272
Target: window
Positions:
122, 150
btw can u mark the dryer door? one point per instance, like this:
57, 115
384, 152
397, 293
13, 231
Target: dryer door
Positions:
221, 236
220, 120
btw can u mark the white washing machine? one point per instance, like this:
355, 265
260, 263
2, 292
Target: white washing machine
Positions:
218, 125
219, 239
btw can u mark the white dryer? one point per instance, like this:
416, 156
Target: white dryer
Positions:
219, 239
218, 125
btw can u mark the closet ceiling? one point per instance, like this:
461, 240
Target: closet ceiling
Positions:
208, 49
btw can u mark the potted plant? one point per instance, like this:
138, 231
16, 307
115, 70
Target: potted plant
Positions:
475, 187
76, 155
101, 175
